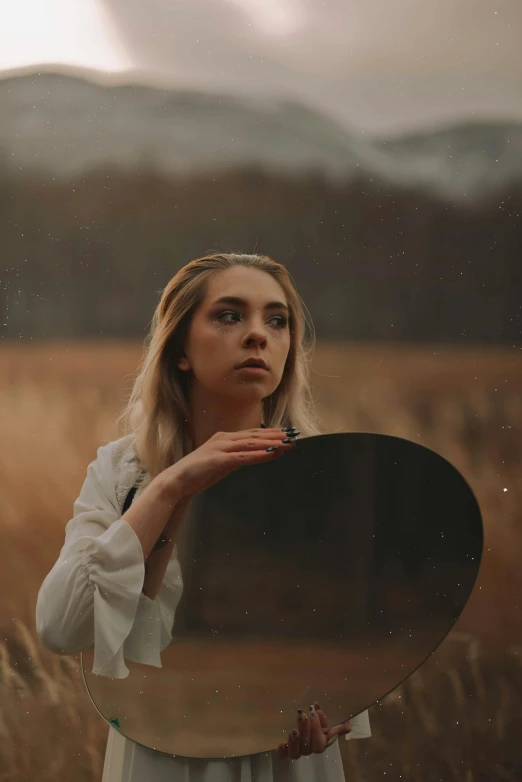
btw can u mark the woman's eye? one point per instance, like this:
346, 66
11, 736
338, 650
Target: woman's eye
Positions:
281, 321
223, 314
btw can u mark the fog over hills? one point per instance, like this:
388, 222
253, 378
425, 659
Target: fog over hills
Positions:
63, 125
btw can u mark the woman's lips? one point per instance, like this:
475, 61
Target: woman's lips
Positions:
252, 370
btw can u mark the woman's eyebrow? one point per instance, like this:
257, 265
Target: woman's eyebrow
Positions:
238, 302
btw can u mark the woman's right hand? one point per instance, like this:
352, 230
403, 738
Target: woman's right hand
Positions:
224, 453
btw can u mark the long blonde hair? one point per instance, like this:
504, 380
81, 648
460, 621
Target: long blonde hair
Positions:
157, 411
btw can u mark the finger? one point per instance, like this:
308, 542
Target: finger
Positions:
238, 458
303, 727
294, 745
322, 716
339, 730
317, 737
241, 458
257, 443
282, 750
259, 434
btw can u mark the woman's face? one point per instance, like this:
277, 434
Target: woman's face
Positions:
243, 315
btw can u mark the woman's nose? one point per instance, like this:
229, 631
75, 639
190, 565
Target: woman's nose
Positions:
257, 334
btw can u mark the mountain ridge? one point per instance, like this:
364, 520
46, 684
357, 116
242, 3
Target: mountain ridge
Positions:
67, 124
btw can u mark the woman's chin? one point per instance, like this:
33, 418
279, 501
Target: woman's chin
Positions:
253, 389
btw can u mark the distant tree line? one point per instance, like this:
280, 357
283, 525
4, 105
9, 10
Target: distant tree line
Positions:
88, 258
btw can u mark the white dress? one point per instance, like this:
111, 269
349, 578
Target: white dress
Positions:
93, 595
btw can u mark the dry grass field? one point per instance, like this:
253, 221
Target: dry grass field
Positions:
458, 718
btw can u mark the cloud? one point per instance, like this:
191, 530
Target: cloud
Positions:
371, 63
58, 31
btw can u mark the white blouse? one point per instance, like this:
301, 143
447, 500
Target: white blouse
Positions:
93, 596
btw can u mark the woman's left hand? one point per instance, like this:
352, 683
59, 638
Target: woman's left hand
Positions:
312, 734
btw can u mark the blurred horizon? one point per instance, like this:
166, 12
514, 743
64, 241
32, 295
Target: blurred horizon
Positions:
161, 131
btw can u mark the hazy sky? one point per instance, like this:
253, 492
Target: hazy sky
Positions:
378, 65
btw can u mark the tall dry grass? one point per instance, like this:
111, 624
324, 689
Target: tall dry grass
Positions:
457, 718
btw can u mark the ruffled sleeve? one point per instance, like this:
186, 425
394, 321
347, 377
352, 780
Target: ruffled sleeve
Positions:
152, 629
92, 593
360, 727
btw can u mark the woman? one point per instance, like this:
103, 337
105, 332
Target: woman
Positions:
194, 415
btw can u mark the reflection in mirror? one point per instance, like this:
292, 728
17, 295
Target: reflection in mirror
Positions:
329, 575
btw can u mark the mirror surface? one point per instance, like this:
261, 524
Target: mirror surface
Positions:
330, 574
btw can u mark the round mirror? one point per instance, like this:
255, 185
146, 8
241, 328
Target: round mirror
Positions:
330, 574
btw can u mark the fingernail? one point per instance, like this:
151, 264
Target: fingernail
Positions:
289, 440
272, 448
300, 715
295, 734
312, 712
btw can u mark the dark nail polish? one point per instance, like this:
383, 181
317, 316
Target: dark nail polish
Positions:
272, 448
295, 734
300, 715
312, 712
289, 440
